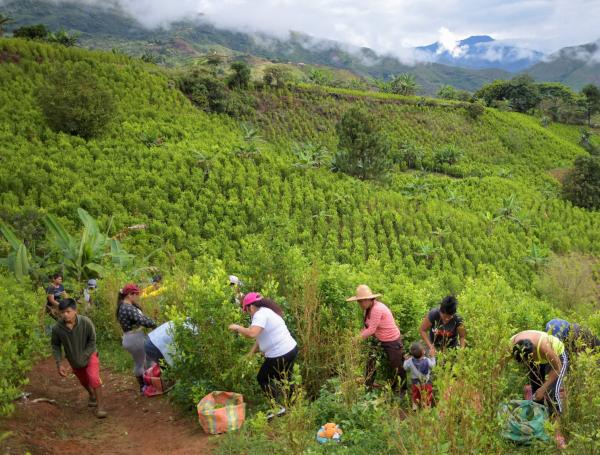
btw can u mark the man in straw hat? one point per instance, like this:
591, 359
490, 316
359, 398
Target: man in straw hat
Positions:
379, 322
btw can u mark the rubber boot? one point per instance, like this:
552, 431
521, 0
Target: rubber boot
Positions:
141, 382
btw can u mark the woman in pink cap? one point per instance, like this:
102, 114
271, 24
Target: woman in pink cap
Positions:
273, 339
379, 323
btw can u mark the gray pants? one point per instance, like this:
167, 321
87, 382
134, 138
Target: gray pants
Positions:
133, 342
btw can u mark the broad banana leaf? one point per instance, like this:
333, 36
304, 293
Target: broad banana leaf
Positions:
21, 263
120, 257
10, 236
63, 240
88, 221
96, 268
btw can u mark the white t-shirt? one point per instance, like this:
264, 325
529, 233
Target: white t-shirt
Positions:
275, 339
162, 338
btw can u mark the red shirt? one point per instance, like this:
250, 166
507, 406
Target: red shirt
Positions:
380, 323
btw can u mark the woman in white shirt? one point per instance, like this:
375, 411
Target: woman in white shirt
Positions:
273, 339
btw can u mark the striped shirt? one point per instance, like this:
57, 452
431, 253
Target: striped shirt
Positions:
380, 322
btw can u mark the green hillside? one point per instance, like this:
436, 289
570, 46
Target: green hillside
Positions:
219, 199
575, 66
108, 28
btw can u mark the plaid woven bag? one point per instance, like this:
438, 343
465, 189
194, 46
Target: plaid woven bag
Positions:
219, 412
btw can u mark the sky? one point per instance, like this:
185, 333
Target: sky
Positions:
392, 26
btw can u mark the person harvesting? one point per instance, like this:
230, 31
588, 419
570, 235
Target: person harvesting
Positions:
132, 321
379, 323
546, 359
443, 328
273, 339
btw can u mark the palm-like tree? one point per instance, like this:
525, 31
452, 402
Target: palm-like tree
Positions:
4, 19
405, 84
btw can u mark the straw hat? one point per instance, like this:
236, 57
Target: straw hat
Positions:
363, 292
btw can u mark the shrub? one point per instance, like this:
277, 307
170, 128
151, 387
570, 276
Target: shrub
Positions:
240, 78
199, 367
278, 76
204, 90
569, 281
474, 110
580, 420
364, 152
582, 184
447, 155
38, 31
20, 325
75, 102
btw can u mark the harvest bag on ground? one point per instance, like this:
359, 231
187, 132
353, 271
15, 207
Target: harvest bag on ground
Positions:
523, 421
219, 412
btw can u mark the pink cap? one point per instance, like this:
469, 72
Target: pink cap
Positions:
249, 299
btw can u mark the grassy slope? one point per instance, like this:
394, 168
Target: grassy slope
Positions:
233, 209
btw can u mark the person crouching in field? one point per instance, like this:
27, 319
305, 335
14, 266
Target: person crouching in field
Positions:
546, 359
379, 322
420, 368
77, 336
273, 339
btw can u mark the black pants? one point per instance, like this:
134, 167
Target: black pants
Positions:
537, 377
394, 351
274, 370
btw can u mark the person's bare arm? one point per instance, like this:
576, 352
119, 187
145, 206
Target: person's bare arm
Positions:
424, 331
250, 332
556, 366
254, 349
52, 300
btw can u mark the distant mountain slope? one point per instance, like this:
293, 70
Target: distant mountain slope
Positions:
575, 66
109, 27
480, 52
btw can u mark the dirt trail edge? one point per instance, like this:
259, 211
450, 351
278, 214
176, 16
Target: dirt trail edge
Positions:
135, 424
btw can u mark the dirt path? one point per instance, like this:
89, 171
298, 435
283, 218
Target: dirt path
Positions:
135, 424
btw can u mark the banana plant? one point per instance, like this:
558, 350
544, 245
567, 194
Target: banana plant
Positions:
82, 257
17, 260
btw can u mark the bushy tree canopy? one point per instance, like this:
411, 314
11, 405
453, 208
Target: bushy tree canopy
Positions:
74, 101
582, 185
364, 151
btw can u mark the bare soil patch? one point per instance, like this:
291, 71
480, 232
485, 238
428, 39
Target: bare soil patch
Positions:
135, 424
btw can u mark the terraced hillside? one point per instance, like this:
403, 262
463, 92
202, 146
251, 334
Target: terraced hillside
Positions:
220, 194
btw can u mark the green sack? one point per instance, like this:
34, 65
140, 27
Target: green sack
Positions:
522, 421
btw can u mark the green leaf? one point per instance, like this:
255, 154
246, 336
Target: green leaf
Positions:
96, 268
21, 263
62, 238
10, 236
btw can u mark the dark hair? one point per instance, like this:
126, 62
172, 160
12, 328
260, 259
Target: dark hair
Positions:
417, 350
120, 298
522, 351
270, 304
57, 275
67, 303
448, 305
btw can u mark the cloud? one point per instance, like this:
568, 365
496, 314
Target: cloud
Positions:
388, 26
589, 53
450, 43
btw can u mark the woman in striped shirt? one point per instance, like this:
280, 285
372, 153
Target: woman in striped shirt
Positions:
379, 323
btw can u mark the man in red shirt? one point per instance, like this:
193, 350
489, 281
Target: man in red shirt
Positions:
379, 322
